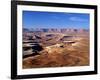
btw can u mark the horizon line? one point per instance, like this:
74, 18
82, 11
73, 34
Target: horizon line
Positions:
55, 28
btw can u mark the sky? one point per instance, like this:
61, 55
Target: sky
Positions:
37, 19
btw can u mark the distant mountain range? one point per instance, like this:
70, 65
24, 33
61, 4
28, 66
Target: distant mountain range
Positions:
63, 30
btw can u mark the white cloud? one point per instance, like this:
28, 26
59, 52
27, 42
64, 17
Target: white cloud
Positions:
77, 19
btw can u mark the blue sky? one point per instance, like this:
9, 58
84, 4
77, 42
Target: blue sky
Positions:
36, 19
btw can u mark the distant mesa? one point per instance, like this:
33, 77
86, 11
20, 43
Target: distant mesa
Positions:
26, 30
63, 30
